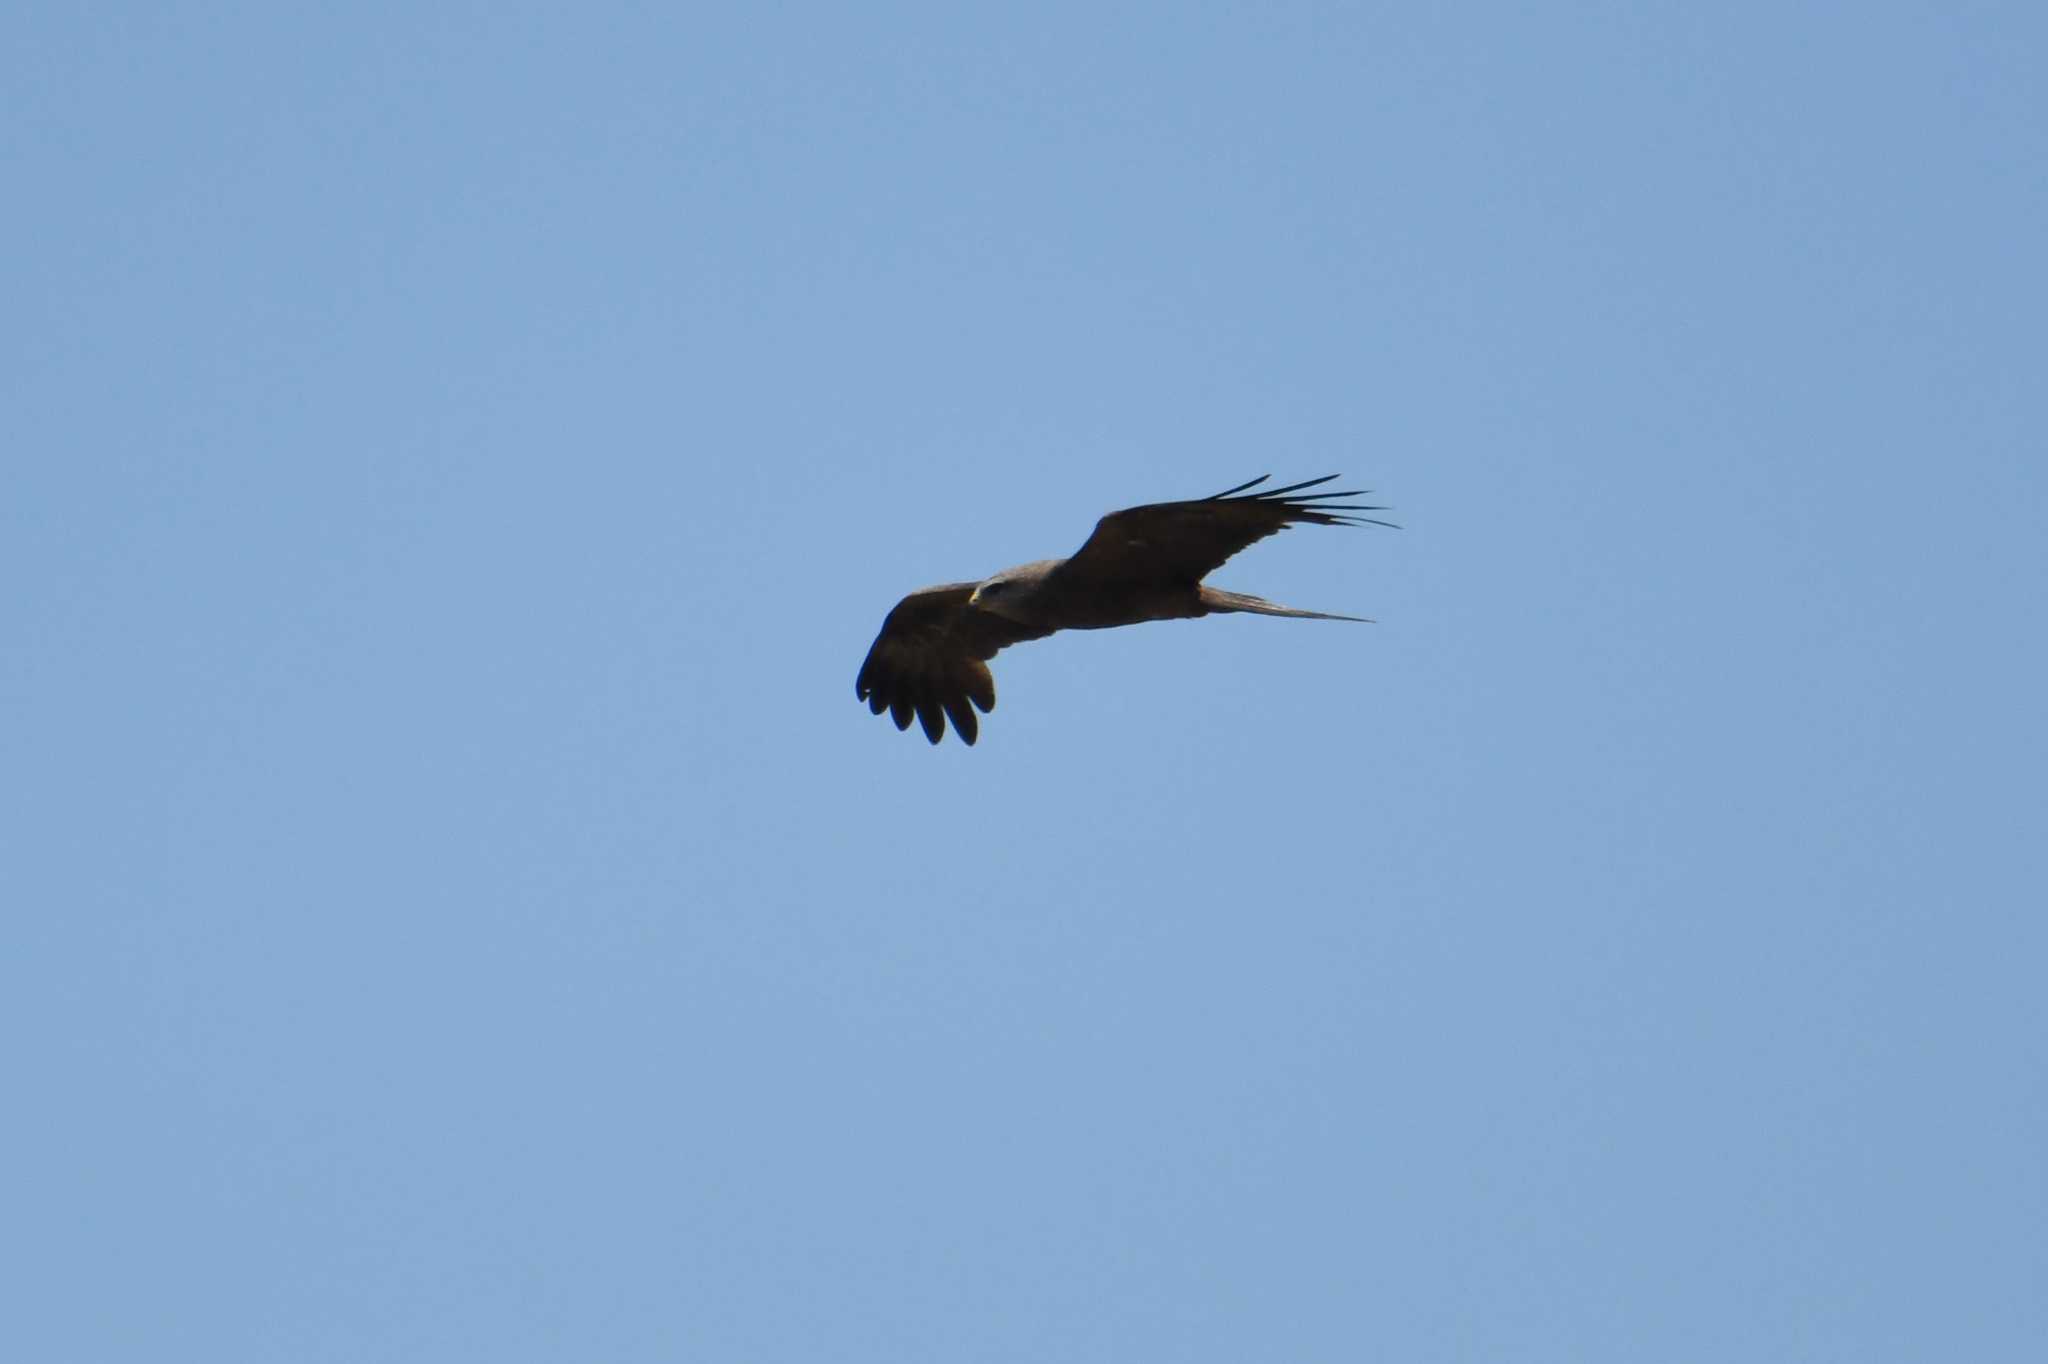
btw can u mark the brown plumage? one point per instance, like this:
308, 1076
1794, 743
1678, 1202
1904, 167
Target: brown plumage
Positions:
1143, 563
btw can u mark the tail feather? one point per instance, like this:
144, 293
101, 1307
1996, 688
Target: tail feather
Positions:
1216, 601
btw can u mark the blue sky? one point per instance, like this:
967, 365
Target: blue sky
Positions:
458, 455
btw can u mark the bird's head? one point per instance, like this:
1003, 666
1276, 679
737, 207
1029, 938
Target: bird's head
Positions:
1007, 594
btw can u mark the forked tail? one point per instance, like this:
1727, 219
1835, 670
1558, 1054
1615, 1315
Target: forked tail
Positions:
1215, 599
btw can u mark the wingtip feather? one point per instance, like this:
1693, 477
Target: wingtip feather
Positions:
1230, 492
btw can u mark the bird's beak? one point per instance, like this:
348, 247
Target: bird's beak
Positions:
974, 597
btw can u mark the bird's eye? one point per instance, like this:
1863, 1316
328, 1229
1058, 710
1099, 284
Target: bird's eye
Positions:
990, 589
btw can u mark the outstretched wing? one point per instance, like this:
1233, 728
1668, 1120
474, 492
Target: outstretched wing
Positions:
930, 661
1182, 542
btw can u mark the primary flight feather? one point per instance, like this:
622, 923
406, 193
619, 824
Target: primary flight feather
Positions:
1143, 563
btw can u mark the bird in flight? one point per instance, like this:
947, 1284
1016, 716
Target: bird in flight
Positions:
1142, 563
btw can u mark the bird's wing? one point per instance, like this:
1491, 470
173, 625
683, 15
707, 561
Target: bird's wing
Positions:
1182, 542
930, 661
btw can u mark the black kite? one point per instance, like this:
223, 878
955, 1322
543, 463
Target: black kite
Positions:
1142, 563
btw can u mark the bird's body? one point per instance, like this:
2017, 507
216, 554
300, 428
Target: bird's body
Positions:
1142, 563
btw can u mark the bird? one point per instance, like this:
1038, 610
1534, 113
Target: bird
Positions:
930, 660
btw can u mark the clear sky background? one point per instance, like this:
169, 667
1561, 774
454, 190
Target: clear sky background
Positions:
456, 457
